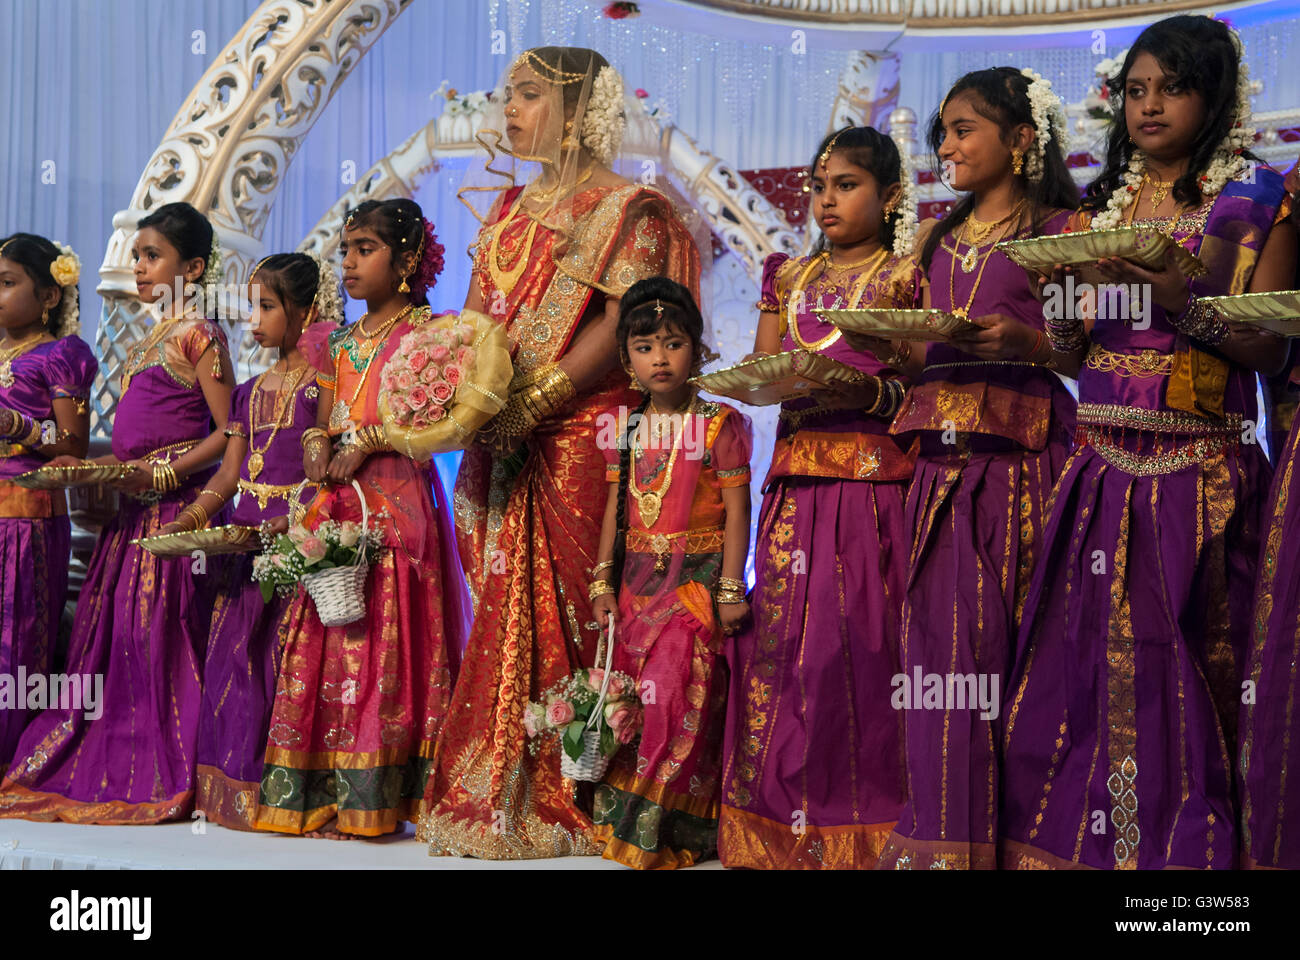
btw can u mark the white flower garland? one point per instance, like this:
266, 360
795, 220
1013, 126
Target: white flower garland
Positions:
1226, 165
905, 227
212, 275
66, 271
603, 121
1049, 117
328, 303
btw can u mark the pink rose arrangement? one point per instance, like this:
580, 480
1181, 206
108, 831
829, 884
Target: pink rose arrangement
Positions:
301, 552
423, 375
565, 709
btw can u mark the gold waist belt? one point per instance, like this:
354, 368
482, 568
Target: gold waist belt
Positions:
1144, 363
1159, 421
697, 541
264, 492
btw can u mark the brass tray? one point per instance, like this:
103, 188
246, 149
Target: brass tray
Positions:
776, 378
231, 538
82, 475
1143, 245
1276, 311
921, 325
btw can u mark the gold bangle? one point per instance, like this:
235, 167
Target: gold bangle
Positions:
731, 584
599, 588
33, 435
164, 478
196, 511
221, 497
880, 398
603, 565
313, 433
722, 596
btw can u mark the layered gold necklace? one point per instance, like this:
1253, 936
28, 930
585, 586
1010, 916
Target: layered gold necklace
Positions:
283, 403
795, 297
650, 502
975, 232
341, 412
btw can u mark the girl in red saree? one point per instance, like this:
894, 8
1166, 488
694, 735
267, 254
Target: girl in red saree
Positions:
551, 262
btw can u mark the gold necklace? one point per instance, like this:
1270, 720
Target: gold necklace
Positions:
284, 401
650, 502
663, 422
7, 357
341, 413
795, 297
1161, 189
504, 278
964, 312
975, 231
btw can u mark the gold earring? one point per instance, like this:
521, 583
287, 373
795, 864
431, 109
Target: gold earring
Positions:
891, 206
633, 382
568, 143
45, 316
1017, 160
402, 287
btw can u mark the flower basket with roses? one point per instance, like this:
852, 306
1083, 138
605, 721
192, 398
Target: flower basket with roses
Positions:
330, 560
594, 712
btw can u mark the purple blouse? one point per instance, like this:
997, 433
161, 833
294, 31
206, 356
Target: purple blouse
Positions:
62, 368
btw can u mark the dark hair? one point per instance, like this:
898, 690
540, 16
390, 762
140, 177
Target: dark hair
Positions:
184, 228
637, 317
1199, 53
293, 277
398, 223
1001, 94
35, 255
874, 152
569, 60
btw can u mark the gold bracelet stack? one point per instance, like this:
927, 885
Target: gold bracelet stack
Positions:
32, 437
599, 588
372, 439
729, 590
164, 478
196, 513
548, 393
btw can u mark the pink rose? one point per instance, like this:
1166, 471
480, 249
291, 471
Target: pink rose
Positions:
298, 533
467, 332
313, 548
417, 359
430, 374
616, 687
465, 356
625, 735
418, 398
451, 373
595, 677
405, 380
436, 412
441, 391
530, 723
398, 406
439, 353
420, 421
559, 713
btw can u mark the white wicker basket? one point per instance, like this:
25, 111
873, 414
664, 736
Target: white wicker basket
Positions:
591, 765
340, 592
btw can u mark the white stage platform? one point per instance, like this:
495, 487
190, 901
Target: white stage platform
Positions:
175, 846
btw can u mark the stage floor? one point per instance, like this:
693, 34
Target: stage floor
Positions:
25, 845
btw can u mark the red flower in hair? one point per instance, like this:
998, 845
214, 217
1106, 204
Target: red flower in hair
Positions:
641, 94
618, 11
431, 262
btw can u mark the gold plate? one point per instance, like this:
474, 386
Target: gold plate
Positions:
1143, 245
82, 475
1277, 311
213, 541
921, 325
777, 377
